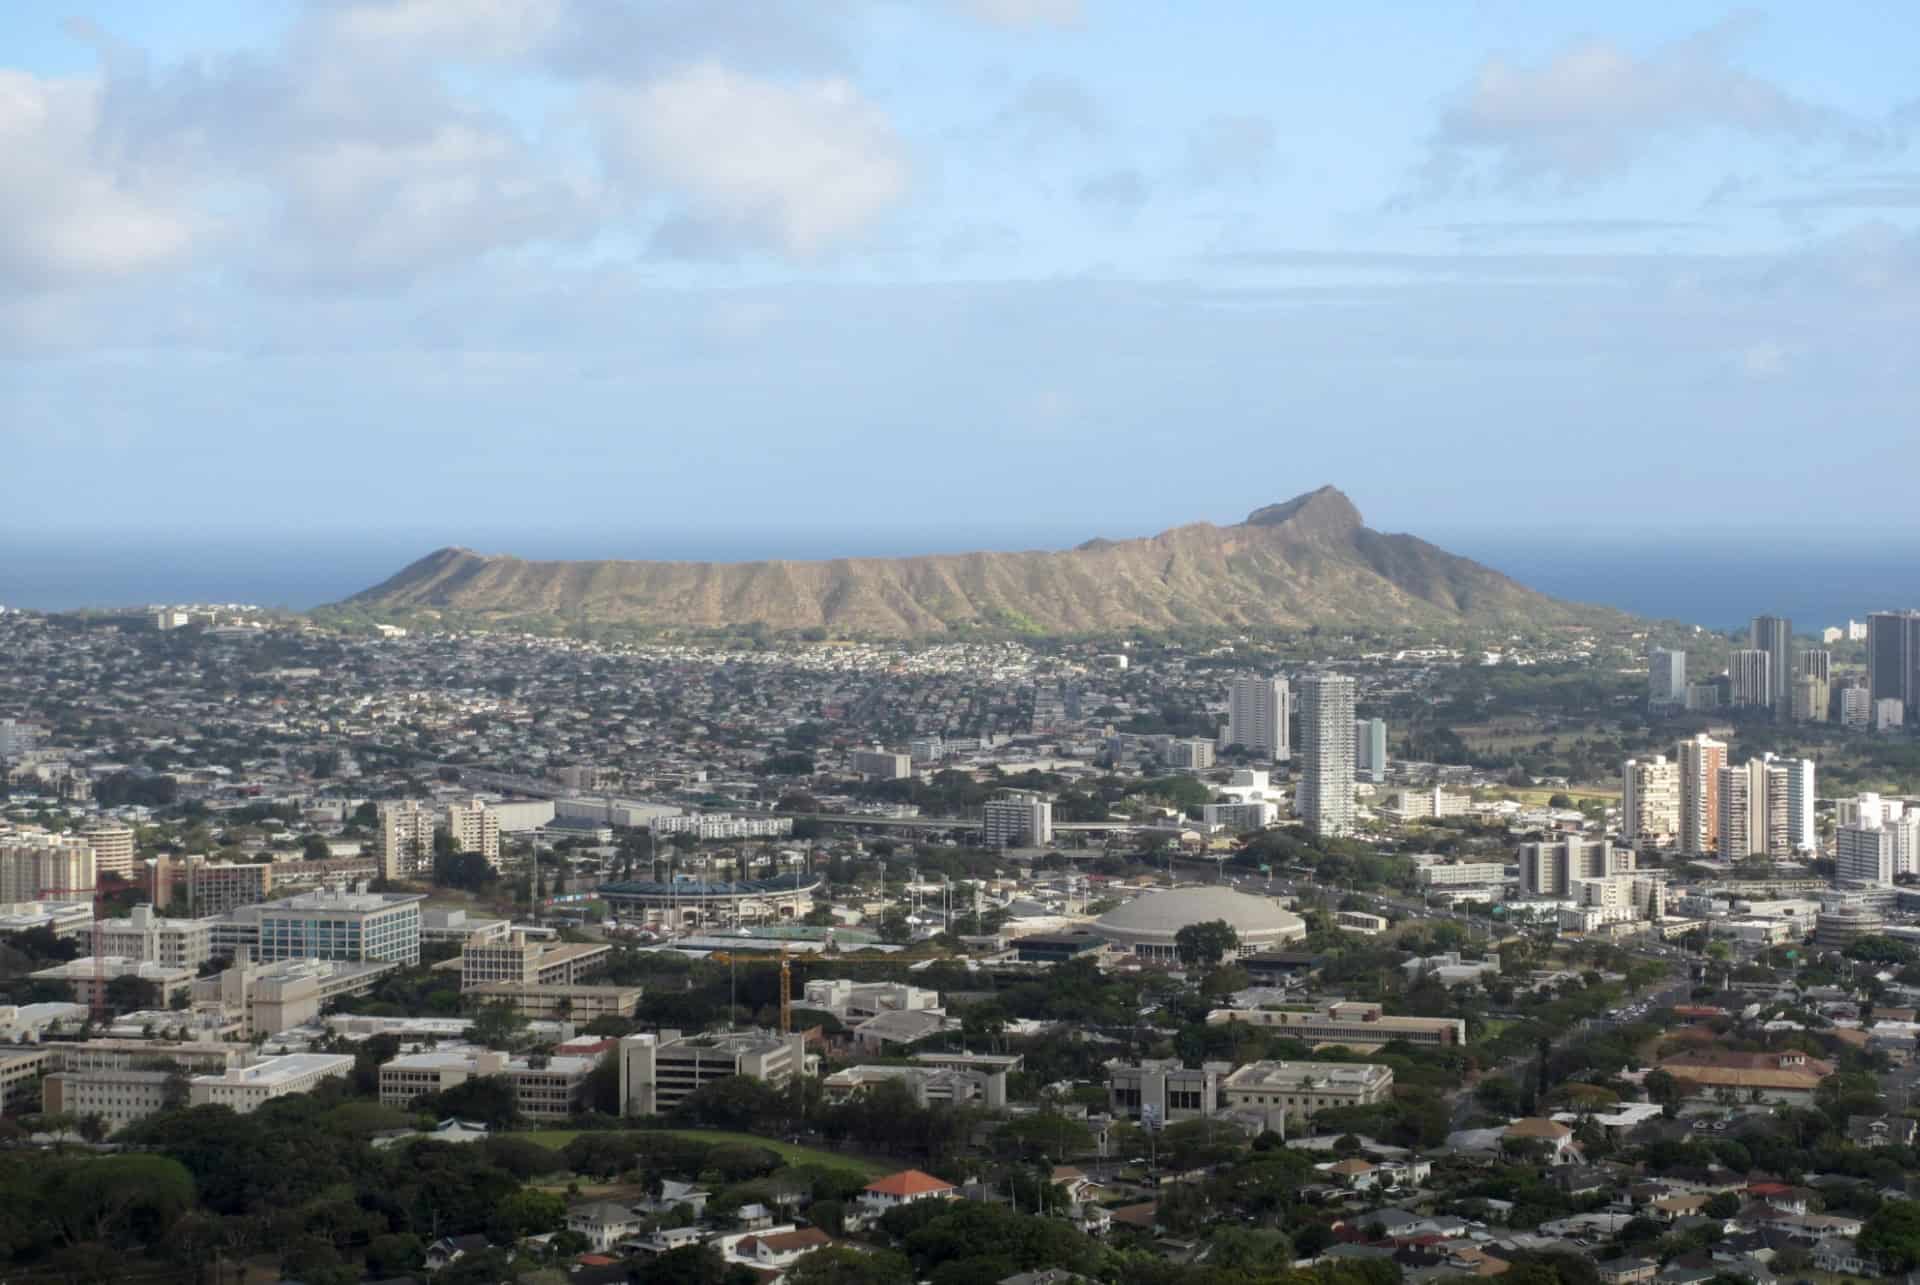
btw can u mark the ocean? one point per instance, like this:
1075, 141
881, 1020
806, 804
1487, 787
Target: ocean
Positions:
1717, 587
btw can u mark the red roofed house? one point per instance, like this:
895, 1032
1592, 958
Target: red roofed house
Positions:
904, 1188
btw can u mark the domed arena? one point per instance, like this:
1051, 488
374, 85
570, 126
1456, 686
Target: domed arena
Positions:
1147, 926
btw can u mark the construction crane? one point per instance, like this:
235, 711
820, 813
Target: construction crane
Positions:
786, 991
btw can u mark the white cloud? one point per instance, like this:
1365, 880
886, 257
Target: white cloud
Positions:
1023, 13
802, 167
1590, 110
68, 212
480, 28
1229, 149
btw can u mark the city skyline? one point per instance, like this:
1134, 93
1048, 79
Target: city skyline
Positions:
519, 251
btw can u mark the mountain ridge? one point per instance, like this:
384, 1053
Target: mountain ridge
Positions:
1310, 560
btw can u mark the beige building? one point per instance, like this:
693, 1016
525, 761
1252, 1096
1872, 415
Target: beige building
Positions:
1351, 1023
475, 827
658, 1072
214, 888
177, 943
524, 961
1649, 800
576, 1004
549, 1088
20, 1072
37, 866
243, 1088
406, 838
1162, 1090
81, 976
1301, 1089
118, 1096
1549, 869
1700, 759
112, 845
274, 997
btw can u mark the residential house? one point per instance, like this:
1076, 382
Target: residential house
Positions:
779, 1250
1840, 1255
605, 1223
1626, 1271
1558, 1138
904, 1188
1881, 1130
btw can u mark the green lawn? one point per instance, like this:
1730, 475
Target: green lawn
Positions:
865, 1166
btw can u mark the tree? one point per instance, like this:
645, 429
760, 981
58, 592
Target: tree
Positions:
498, 1026
484, 1099
394, 1255
692, 1265
465, 870
1724, 1205
128, 993
314, 848
1892, 1235
843, 1265
1206, 944
527, 1212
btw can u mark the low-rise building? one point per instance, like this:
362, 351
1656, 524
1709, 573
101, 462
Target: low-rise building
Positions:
658, 1072
1352, 1023
163, 982
1303, 1089
275, 997
852, 1001
544, 1088
244, 1088
909, 1186
577, 1004
523, 960
928, 1085
1163, 1090
178, 943
118, 1096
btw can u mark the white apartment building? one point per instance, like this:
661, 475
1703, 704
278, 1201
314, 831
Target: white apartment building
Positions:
1750, 668
1192, 754
1811, 697
406, 838
1017, 820
1240, 817
242, 1089
1622, 898
718, 825
1460, 874
1370, 749
474, 827
1889, 713
178, 943
37, 866
1666, 678
1258, 714
1864, 853
881, 765
1856, 708
1649, 800
16, 738
1326, 744
112, 845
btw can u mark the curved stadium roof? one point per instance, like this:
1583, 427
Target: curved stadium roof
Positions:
1166, 913
702, 888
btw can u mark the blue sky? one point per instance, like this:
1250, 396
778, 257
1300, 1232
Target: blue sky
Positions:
712, 274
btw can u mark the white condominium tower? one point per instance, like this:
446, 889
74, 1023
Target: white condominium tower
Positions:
1649, 800
1258, 710
1370, 749
474, 827
1751, 673
1700, 759
406, 838
1666, 678
1326, 748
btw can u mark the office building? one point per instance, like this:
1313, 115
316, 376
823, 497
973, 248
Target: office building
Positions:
926, 749
521, 960
1259, 711
1774, 636
1893, 658
37, 866
926, 1085
1164, 1090
544, 1088
1351, 1023
1811, 697
658, 1072
1700, 759
1301, 1089
1888, 714
1326, 747
341, 925
1193, 754
1666, 678
16, 738
214, 888
406, 838
1750, 671
1370, 749
1017, 819
881, 765
271, 998
88, 977
474, 827
1548, 869
1864, 853
1856, 708
577, 1004
243, 1089
179, 943
1649, 800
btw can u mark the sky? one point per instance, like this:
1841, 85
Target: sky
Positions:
837, 275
